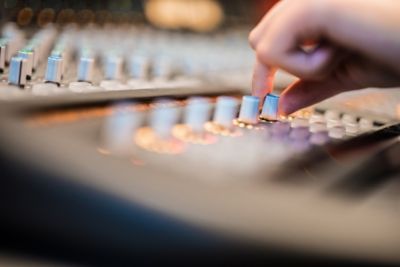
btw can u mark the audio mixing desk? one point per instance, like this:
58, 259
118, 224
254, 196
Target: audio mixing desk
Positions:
110, 151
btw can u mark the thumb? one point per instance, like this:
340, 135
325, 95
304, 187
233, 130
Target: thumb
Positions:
302, 93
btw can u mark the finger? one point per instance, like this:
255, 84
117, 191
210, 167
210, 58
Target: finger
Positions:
257, 33
263, 80
312, 65
302, 93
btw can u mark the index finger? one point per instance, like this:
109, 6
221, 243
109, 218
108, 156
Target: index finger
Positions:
263, 80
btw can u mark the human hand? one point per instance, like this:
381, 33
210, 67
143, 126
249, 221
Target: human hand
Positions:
356, 45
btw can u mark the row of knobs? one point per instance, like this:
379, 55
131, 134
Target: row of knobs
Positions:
22, 67
165, 115
24, 62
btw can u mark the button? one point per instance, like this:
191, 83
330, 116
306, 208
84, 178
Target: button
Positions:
163, 117
113, 68
17, 74
366, 124
332, 115
330, 123
270, 108
54, 69
300, 133
197, 113
317, 118
318, 127
28, 55
86, 69
226, 111
351, 128
349, 118
249, 110
319, 138
337, 132
299, 122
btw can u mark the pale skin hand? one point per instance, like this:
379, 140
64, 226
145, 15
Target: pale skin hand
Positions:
358, 47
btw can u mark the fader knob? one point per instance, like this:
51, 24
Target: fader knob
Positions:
113, 68
197, 113
119, 128
163, 117
17, 74
139, 67
54, 70
86, 69
29, 56
249, 110
3, 54
270, 108
226, 111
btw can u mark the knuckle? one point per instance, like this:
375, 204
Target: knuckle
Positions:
253, 39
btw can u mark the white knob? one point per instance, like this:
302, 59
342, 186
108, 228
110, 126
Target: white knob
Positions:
54, 70
86, 69
18, 68
226, 111
139, 67
270, 108
119, 128
197, 113
249, 110
3, 54
29, 55
113, 68
163, 117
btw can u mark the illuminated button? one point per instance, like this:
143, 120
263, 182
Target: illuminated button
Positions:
270, 108
17, 74
366, 124
86, 69
113, 68
300, 133
318, 127
28, 55
319, 138
299, 122
54, 69
331, 123
317, 118
197, 113
163, 117
337, 132
3, 54
139, 67
249, 110
351, 128
226, 111
348, 118
332, 115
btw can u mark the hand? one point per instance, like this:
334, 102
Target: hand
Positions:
356, 45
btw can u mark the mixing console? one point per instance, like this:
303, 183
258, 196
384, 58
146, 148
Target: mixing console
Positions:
164, 120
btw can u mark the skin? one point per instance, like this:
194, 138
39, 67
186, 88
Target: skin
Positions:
354, 44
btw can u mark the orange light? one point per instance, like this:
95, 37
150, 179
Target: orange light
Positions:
147, 139
185, 133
